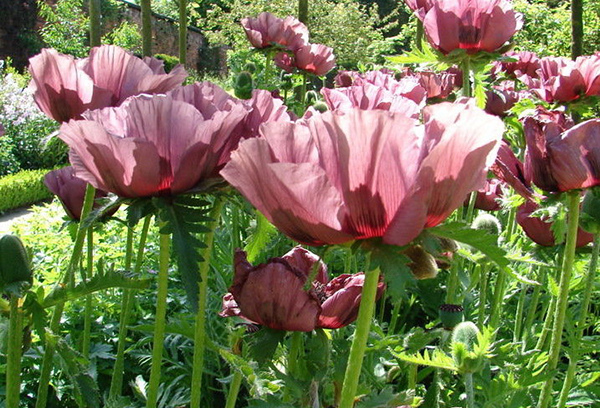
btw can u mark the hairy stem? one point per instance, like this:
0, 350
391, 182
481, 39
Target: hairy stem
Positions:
200, 329
13, 357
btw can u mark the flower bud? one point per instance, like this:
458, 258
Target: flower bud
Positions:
320, 106
487, 222
250, 67
422, 265
464, 337
15, 270
243, 85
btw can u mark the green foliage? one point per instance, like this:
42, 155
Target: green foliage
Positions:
169, 61
343, 25
126, 35
22, 188
66, 27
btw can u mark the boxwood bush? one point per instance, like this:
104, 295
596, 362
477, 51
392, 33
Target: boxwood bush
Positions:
22, 188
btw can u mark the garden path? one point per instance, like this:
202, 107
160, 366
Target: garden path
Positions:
6, 220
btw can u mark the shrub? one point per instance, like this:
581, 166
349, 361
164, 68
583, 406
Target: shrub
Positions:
169, 60
22, 188
126, 35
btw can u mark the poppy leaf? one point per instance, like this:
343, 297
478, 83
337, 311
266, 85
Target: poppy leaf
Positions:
263, 344
393, 266
260, 237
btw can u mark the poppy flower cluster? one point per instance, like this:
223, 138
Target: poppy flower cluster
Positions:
377, 90
276, 294
559, 156
64, 88
561, 80
291, 37
470, 25
359, 174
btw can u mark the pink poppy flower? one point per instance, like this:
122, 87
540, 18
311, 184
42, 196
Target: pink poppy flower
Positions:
488, 196
540, 231
502, 97
510, 170
367, 96
273, 294
437, 84
471, 25
263, 108
338, 177
527, 63
316, 59
150, 145
284, 61
267, 30
560, 156
70, 190
64, 88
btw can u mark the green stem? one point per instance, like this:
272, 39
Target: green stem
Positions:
94, 7
452, 285
182, 31
532, 308
519, 313
200, 329
13, 358
361, 335
498, 299
581, 323
471, 207
234, 389
303, 92
470, 391
466, 71
413, 370
146, 28
303, 11
294, 353
563, 298
394, 317
548, 320
127, 302
69, 279
419, 36
160, 320
485, 276
87, 320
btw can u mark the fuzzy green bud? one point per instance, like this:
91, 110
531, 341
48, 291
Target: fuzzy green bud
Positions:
464, 338
243, 85
250, 67
15, 271
320, 106
487, 222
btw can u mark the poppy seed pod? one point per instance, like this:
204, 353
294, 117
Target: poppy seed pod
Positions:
451, 315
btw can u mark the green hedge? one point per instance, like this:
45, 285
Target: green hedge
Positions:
22, 188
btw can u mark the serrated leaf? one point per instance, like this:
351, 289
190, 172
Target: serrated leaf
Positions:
263, 344
270, 402
98, 213
393, 265
417, 339
180, 221
386, 398
479, 239
138, 209
436, 359
100, 281
260, 237
425, 56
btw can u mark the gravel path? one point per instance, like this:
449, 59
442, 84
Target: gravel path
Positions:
6, 220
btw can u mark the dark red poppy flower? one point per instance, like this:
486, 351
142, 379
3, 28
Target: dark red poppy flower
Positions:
267, 30
502, 97
64, 88
338, 177
540, 231
70, 190
471, 25
274, 294
150, 145
488, 197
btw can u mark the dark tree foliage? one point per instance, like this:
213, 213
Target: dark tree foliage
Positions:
17, 36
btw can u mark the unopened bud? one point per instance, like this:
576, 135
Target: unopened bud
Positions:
243, 85
422, 265
487, 222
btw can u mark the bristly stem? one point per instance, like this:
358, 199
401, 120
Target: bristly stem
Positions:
234, 389
13, 357
361, 335
200, 328
87, 320
159, 321
127, 302
466, 73
69, 279
563, 297
581, 323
